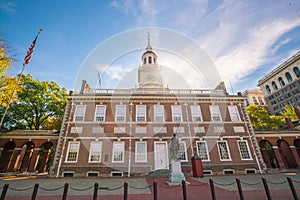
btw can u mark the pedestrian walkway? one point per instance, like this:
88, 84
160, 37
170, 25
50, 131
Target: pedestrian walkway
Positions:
142, 188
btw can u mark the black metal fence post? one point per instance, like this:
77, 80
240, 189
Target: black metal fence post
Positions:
184, 190
35, 190
4, 190
292, 188
96, 186
125, 190
238, 182
154, 190
267, 189
212, 189
65, 191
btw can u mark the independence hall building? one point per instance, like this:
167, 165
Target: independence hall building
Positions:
127, 132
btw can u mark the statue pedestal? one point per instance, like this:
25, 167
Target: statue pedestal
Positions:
176, 176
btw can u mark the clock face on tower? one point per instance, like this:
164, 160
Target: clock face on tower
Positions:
153, 78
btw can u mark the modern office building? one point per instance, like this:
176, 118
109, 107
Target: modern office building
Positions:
113, 132
281, 86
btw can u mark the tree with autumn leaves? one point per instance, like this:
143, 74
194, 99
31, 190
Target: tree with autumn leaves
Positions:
35, 105
261, 120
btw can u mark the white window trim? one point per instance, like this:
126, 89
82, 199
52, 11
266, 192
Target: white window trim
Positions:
90, 152
113, 153
100, 115
68, 151
185, 151
229, 159
237, 113
146, 152
116, 113
193, 114
155, 114
211, 113
248, 149
83, 116
207, 152
172, 110
228, 170
136, 114
88, 172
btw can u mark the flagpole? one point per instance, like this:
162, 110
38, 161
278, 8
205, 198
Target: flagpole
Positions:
26, 61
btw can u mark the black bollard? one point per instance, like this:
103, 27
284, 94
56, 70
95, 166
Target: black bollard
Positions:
4, 190
184, 190
96, 186
154, 190
35, 190
267, 189
65, 191
212, 189
238, 182
292, 188
125, 190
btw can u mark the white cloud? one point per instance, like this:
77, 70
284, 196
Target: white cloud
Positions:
240, 36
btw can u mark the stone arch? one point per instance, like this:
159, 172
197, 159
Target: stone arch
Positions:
25, 156
297, 146
6, 155
268, 154
286, 154
45, 157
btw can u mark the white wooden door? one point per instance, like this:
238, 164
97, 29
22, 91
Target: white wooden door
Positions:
161, 156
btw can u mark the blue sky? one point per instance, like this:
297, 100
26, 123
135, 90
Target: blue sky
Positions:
244, 39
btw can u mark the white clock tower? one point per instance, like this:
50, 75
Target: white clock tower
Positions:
149, 73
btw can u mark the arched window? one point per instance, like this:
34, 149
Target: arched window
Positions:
145, 60
268, 89
281, 81
254, 100
288, 77
150, 60
154, 61
274, 85
297, 72
261, 102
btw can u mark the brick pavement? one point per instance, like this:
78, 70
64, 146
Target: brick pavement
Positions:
198, 188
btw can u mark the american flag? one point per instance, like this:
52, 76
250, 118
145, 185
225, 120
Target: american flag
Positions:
30, 50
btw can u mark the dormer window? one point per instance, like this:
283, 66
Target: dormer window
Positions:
150, 60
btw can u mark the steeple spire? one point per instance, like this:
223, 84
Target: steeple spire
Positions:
149, 48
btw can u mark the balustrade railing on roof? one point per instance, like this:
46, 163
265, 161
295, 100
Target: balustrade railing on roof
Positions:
154, 91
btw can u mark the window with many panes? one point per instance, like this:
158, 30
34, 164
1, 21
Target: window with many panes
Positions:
215, 113
79, 113
72, 153
244, 150
100, 113
176, 113
223, 151
118, 151
289, 77
182, 152
140, 151
202, 150
120, 113
196, 113
234, 113
159, 113
95, 152
141, 113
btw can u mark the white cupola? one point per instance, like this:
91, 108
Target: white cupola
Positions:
149, 73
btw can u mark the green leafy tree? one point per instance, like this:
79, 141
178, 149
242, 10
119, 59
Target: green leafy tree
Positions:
37, 105
261, 120
289, 112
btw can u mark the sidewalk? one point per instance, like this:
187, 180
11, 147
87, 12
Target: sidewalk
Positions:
141, 188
